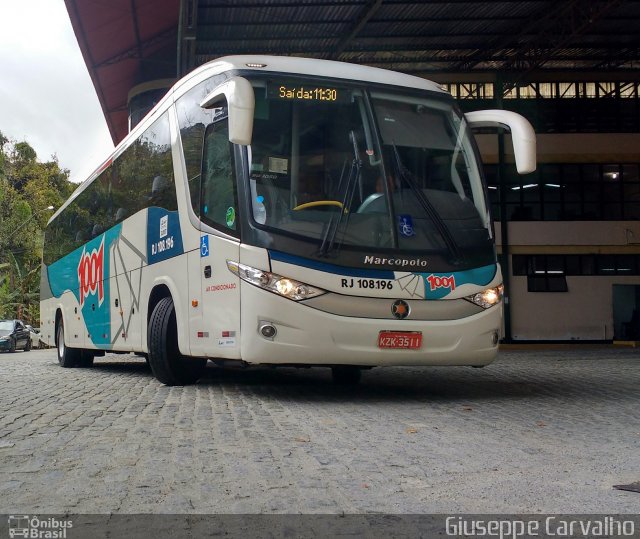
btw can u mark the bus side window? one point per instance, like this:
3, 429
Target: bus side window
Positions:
154, 163
161, 194
219, 196
193, 120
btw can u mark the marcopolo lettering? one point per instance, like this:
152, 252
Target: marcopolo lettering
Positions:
91, 273
400, 262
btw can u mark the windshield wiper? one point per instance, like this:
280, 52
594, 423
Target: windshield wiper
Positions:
349, 190
440, 225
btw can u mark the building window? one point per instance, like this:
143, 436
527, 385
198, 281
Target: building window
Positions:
547, 273
562, 107
568, 192
573, 90
470, 90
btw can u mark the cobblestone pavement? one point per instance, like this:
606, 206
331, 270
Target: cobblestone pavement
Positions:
534, 432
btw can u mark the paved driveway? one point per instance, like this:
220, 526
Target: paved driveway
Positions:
534, 432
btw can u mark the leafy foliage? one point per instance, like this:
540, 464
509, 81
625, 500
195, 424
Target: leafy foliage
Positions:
27, 188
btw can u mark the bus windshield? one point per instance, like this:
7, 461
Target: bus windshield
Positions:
347, 168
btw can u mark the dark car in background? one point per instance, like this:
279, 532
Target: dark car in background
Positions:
14, 335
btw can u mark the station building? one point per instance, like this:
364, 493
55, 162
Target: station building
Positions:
568, 234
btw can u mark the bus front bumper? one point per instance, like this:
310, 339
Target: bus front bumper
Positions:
308, 336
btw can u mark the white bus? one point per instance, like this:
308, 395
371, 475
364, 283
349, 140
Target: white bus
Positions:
284, 211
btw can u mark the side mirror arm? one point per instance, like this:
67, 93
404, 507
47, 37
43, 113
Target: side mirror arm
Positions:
241, 102
522, 134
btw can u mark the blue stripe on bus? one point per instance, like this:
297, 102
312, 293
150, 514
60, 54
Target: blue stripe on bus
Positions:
330, 268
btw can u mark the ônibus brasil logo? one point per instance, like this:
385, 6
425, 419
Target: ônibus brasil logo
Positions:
91, 272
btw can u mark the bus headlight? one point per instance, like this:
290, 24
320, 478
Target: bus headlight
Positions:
283, 286
487, 298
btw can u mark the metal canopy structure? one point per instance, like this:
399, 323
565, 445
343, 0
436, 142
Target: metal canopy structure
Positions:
124, 43
128, 42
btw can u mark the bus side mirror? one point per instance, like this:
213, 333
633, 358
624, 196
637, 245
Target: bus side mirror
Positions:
241, 104
522, 134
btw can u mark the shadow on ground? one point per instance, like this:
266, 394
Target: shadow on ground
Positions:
505, 379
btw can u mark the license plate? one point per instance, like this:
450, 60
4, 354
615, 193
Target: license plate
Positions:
407, 340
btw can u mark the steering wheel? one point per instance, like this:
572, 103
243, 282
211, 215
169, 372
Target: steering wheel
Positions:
315, 203
371, 204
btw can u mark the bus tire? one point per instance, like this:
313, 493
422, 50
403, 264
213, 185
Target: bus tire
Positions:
86, 359
346, 375
168, 365
67, 357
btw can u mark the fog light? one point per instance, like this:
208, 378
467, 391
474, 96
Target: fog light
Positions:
495, 338
268, 331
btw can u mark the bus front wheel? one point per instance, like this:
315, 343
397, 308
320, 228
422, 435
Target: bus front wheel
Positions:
168, 365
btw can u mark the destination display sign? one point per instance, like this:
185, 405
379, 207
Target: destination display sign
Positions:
289, 91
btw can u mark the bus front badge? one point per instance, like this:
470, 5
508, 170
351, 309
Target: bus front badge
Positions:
400, 309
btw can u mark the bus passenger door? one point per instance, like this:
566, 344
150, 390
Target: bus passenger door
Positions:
219, 242
220, 298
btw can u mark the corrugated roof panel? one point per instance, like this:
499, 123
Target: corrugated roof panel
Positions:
405, 35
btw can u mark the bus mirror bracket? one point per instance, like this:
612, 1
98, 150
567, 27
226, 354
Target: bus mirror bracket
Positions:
522, 134
240, 98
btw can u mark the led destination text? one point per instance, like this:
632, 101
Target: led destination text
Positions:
307, 93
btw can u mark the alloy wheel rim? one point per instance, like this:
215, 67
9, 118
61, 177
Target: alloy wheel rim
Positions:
61, 343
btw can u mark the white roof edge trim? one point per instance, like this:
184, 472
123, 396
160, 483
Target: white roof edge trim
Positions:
316, 67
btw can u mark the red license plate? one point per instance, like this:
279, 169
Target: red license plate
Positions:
408, 340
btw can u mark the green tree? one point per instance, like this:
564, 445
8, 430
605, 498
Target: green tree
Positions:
20, 291
27, 188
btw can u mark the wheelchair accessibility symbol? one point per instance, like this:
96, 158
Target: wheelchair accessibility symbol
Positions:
405, 226
204, 246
